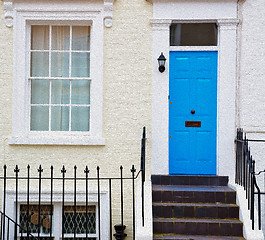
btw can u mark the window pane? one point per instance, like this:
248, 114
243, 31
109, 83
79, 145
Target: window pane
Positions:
80, 65
60, 118
40, 91
80, 92
80, 117
193, 34
60, 65
80, 220
45, 218
39, 37
39, 118
39, 64
81, 38
60, 92
60, 38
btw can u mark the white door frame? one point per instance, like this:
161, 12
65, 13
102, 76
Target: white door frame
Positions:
184, 11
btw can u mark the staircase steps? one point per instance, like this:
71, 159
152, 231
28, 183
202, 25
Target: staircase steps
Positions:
194, 207
194, 237
196, 210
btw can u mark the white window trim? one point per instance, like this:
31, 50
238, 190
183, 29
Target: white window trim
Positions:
57, 205
193, 48
23, 18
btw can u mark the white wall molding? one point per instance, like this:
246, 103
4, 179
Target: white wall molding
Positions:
8, 8
228, 23
72, 140
160, 24
160, 91
9, 15
108, 12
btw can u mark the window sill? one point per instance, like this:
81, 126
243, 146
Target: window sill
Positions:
81, 140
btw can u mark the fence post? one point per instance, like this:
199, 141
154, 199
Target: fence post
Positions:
16, 170
51, 203
28, 202
4, 203
86, 171
98, 180
252, 193
143, 170
40, 170
63, 171
119, 228
75, 224
133, 170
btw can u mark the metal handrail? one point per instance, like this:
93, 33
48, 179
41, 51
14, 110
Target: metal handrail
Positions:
16, 224
246, 175
143, 169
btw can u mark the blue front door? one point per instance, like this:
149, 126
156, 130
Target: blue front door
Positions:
192, 112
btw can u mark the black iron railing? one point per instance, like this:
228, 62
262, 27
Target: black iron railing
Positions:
143, 170
10, 224
246, 175
33, 202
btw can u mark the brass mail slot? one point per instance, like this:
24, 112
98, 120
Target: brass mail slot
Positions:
192, 123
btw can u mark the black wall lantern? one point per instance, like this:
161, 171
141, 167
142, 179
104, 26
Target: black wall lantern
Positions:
161, 62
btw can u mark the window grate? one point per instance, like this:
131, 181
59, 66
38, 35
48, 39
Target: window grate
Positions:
45, 218
69, 222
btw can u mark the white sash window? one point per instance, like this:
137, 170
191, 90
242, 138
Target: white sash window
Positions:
60, 78
58, 73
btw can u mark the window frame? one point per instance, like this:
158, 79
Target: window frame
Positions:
57, 223
57, 208
215, 36
24, 18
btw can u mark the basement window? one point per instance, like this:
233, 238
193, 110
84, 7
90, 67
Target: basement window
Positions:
193, 34
76, 222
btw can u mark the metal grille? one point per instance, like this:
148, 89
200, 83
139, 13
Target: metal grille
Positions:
78, 219
33, 218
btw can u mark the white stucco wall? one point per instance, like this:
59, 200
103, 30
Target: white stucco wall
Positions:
251, 94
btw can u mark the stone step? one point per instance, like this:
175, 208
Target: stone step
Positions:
189, 180
193, 237
193, 194
198, 226
194, 210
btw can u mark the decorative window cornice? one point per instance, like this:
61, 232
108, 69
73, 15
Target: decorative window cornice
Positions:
8, 8
228, 23
161, 24
108, 12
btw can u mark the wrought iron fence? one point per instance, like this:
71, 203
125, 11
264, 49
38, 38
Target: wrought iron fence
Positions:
246, 175
32, 212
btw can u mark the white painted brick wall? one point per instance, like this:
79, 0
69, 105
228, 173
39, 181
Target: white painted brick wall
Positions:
126, 102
